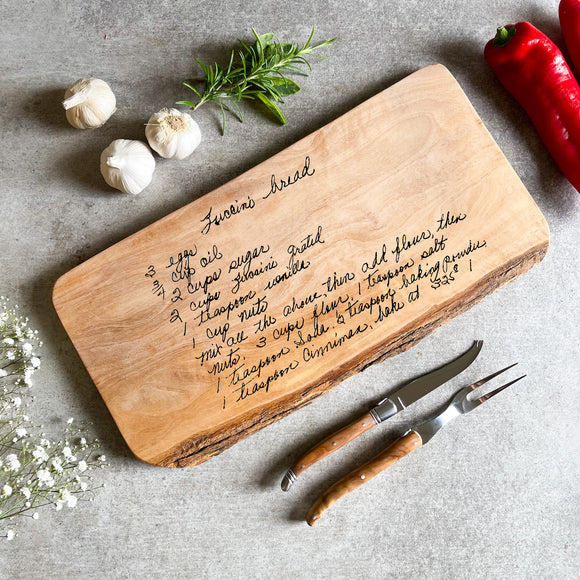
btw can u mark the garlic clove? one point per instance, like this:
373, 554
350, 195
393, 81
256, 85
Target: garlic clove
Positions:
128, 165
89, 103
173, 134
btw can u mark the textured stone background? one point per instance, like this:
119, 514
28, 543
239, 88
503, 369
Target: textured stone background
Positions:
495, 496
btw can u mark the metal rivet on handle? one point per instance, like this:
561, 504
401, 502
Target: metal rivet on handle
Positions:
362, 476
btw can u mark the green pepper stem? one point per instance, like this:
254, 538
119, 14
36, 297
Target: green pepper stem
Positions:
504, 35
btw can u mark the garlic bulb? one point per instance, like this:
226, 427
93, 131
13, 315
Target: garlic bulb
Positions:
127, 165
89, 103
173, 134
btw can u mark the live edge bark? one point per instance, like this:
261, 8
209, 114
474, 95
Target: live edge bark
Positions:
190, 453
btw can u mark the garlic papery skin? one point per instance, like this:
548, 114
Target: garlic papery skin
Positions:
128, 165
173, 134
89, 103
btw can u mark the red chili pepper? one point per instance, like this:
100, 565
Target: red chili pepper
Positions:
569, 11
531, 67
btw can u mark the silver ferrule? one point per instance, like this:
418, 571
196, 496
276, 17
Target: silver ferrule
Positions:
385, 409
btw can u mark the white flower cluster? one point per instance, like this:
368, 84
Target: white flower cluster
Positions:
17, 346
34, 471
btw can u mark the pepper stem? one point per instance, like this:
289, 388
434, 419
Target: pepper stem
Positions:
504, 35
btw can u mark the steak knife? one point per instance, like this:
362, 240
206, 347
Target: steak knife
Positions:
387, 407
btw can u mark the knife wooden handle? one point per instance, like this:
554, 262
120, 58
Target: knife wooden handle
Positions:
390, 455
326, 447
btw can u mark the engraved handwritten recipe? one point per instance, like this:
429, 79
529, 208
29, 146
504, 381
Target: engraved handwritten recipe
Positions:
218, 298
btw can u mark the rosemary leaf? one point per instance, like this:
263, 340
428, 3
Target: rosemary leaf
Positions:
256, 71
272, 107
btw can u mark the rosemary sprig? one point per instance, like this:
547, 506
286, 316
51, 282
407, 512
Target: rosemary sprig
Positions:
255, 72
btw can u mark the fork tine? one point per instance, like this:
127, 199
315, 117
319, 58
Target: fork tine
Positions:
484, 398
478, 384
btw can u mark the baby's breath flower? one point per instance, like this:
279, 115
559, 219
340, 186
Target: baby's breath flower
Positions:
34, 471
45, 478
28, 376
67, 497
12, 462
67, 453
40, 454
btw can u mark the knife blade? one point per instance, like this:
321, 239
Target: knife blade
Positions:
387, 407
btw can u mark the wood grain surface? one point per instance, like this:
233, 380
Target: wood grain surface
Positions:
347, 247
333, 443
395, 451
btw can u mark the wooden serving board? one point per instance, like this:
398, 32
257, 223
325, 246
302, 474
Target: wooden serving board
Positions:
347, 247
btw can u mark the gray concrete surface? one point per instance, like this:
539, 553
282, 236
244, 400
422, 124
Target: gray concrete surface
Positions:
496, 496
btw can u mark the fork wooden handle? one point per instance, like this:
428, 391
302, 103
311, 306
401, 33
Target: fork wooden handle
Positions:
397, 450
327, 446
